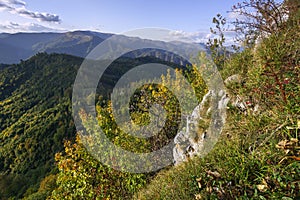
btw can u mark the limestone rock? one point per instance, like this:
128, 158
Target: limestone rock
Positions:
190, 141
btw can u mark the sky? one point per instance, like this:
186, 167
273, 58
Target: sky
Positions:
192, 18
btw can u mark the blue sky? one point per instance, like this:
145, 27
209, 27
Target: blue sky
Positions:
116, 16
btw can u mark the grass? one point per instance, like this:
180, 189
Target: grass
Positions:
245, 164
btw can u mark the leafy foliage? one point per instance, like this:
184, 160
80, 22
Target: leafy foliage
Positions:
83, 177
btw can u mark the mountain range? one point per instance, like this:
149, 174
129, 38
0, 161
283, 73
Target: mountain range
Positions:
22, 46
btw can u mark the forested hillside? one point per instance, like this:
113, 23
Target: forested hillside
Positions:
36, 116
35, 119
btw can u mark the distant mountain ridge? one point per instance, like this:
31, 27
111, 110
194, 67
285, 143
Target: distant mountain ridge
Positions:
21, 46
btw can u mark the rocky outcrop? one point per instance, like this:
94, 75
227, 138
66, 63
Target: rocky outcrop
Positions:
195, 139
204, 125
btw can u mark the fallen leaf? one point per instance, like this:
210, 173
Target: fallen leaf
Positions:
263, 187
294, 140
199, 182
209, 189
198, 197
214, 174
281, 144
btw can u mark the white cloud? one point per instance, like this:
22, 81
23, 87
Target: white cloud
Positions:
12, 27
46, 17
4, 5
200, 37
13, 6
179, 35
15, 2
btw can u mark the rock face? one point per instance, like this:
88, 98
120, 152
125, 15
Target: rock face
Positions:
195, 140
204, 125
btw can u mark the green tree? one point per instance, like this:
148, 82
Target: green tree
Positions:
82, 177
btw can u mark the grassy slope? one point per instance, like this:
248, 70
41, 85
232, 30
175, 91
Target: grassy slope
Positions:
249, 161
